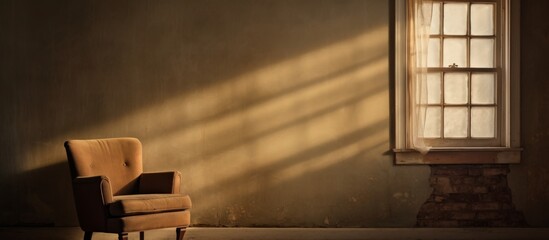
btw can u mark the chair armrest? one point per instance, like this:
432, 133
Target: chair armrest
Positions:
93, 187
160, 182
91, 195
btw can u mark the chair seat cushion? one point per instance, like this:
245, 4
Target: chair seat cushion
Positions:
137, 204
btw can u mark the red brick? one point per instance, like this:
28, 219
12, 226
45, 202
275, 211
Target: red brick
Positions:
486, 206
475, 172
500, 189
474, 223
504, 197
463, 189
491, 215
507, 206
462, 180
463, 197
433, 181
467, 215
489, 180
440, 198
495, 171
451, 171
429, 207
469, 180
453, 206
488, 197
441, 180
446, 223
480, 189
443, 185
431, 215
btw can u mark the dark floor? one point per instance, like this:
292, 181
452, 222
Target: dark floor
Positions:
293, 234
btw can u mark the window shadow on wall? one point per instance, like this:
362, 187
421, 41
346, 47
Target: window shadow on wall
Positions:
244, 99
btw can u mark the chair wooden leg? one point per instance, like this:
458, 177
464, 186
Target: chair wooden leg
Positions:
123, 236
141, 235
180, 232
88, 235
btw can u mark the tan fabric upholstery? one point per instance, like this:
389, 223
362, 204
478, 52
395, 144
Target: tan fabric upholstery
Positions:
147, 222
160, 182
138, 204
117, 158
112, 194
91, 194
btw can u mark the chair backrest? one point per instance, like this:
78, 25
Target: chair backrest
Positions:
119, 159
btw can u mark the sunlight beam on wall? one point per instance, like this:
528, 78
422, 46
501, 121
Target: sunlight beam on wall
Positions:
232, 105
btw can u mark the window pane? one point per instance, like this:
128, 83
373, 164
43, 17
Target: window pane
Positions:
482, 53
483, 88
432, 122
482, 122
455, 18
455, 52
482, 19
435, 19
433, 88
433, 54
456, 90
455, 122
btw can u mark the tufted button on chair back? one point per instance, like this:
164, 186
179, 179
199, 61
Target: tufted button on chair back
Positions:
117, 158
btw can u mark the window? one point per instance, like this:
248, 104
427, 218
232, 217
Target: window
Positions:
457, 81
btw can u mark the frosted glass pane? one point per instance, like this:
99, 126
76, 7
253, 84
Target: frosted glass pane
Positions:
433, 54
432, 122
455, 52
455, 122
456, 90
482, 19
455, 18
435, 19
482, 122
482, 88
433, 88
482, 53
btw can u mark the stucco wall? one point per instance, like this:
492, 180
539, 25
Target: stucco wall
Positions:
529, 180
276, 112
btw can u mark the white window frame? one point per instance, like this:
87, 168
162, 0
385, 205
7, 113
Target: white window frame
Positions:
509, 150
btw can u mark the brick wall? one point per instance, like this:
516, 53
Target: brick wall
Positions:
469, 196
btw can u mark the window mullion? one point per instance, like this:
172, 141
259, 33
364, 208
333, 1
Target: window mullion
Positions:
467, 52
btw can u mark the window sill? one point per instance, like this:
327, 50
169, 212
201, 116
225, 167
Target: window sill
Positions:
459, 156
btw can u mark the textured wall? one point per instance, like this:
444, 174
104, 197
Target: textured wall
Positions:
276, 112
529, 180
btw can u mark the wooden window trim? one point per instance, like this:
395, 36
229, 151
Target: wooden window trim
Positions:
509, 150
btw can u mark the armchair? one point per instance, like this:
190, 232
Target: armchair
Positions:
112, 194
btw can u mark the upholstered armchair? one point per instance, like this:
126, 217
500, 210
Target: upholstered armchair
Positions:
112, 194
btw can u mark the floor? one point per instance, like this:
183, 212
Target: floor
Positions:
293, 234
